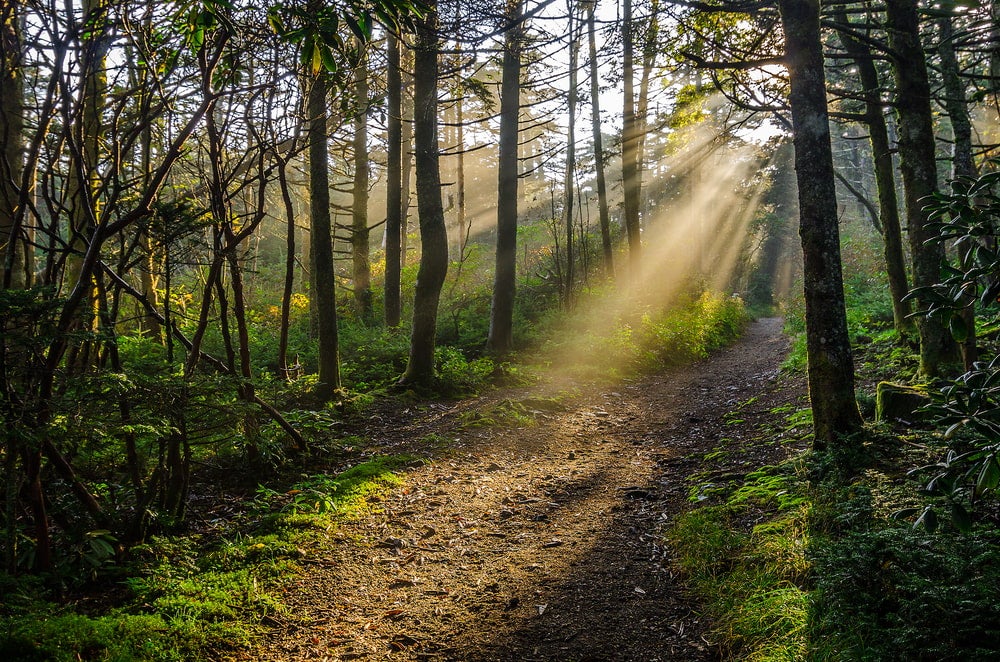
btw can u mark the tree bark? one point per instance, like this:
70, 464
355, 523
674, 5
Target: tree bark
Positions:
433, 232
570, 172
919, 170
630, 140
885, 180
831, 368
963, 163
13, 248
320, 242
394, 184
501, 334
602, 186
359, 217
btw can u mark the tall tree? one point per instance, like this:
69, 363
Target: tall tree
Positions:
501, 335
433, 232
831, 368
13, 248
320, 238
963, 164
394, 183
630, 140
885, 180
595, 110
569, 176
359, 210
918, 167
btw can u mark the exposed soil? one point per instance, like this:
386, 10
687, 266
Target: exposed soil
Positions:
541, 542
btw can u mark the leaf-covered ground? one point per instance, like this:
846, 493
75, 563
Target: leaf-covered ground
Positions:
533, 531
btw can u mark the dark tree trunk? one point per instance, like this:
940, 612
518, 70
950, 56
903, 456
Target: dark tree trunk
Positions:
286, 293
602, 186
630, 143
885, 180
919, 170
359, 217
13, 248
963, 163
394, 184
433, 233
570, 172
501, 336
320, 239
831, 368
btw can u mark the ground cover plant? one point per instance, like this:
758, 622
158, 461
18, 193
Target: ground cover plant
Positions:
195, 595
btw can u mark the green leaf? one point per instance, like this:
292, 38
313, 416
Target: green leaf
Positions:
960, 517
989, 476
928, 520
959, 329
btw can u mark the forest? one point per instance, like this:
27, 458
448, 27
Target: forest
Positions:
478, 330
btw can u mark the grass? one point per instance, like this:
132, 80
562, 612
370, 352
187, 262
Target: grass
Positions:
752, 582
193, 598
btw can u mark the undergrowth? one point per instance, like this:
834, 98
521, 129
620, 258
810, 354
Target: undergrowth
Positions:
190, 597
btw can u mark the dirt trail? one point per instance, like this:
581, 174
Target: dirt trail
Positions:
539, 543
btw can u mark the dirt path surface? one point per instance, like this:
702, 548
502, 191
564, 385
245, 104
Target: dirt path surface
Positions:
541, 542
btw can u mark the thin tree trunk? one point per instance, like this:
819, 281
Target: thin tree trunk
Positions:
14, 249
406, 138
630, 139
831, 369
394, 184
885, 180
963, 163
359, 216
433, 232
501, 335
602, 186
570, 155
286, 293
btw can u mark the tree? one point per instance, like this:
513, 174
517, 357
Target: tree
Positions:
433, 232
15, 254
320, 236
630, 141
501, 335
885, 181
918, 166
831, 368
595, 109
394, 183
359, 208
569, 177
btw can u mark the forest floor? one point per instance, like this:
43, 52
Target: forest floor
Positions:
541, 541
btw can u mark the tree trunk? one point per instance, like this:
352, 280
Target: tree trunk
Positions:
602, 187
501, 335
831, 368
570, 172
394, 184
630, 139
885, 180
406, 113
963, 163
919, 170
14, 251
359, 217
289, 285
320, 242
433, 232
